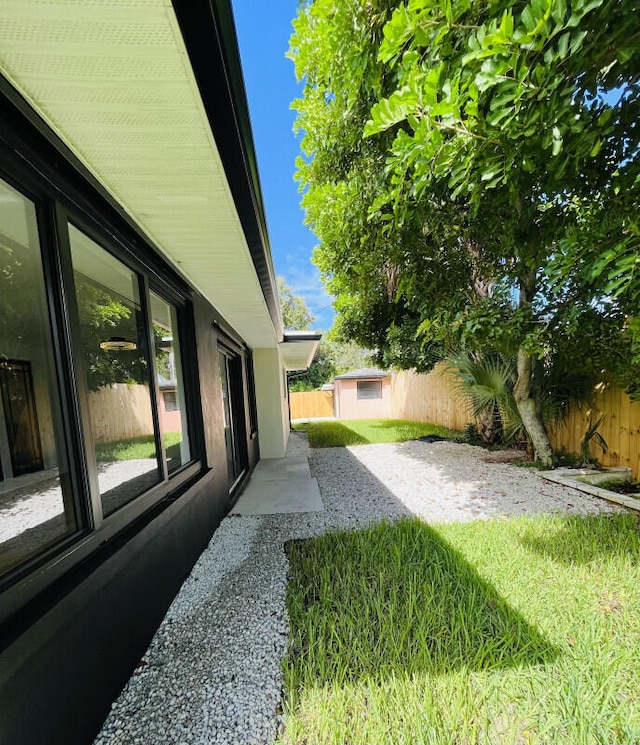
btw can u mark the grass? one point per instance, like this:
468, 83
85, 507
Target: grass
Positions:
137, 448
333, 434
515, 632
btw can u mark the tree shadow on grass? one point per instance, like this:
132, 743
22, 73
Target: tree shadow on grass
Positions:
578, 539
397, 599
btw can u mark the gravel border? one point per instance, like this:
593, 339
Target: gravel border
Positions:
212, 673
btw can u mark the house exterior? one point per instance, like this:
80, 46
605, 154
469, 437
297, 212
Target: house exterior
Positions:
362, 394
142, 356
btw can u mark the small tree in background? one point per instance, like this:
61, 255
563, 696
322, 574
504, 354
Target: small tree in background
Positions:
331, 358
296, 316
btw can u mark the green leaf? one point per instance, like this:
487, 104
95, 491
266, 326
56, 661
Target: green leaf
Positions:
563, 45
527, 19
506, 24
559, 11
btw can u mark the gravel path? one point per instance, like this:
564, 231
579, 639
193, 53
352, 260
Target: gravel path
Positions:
212, 673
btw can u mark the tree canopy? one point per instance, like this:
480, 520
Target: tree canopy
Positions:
470, 169
332, 358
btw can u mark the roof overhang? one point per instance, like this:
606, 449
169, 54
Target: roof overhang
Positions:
298, 349
148, 98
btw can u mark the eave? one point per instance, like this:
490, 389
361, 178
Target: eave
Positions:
298, 349
148, 99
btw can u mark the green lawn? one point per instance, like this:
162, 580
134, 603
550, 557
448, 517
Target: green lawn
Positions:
494, 632
332, 434
137, 448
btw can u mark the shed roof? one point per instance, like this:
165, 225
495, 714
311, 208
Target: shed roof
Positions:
363, 373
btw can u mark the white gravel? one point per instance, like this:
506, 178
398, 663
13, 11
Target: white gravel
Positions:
213, 671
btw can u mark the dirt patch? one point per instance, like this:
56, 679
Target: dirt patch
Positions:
505, 456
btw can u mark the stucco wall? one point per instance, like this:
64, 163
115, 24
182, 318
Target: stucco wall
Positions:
349, 406
271, 402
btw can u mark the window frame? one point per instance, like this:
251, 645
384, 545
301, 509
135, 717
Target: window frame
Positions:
52, 188
251, 395
377, 389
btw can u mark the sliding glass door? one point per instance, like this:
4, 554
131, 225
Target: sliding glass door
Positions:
234, 415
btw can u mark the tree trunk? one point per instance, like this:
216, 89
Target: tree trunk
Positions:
490, 426
529, 411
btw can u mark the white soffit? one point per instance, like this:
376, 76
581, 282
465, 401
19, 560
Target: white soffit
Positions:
298, 349
112, 78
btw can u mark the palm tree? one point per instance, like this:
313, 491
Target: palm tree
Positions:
486, 381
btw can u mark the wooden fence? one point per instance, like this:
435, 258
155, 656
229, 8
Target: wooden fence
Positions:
432, 398
428, 398
311, 404
620, 428
120, 411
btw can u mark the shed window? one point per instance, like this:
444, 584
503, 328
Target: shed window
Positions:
369, 389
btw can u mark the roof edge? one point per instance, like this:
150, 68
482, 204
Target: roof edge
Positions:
363, 373
293, 336
208, 32
295, 343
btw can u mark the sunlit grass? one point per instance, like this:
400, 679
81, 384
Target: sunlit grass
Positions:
331, 434
137, 448
494, 632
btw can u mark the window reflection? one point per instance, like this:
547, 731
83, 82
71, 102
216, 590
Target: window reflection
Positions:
173, 421
113, 339
36, 508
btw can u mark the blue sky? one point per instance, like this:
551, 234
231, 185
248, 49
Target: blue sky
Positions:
263, 30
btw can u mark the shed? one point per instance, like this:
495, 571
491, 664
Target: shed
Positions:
362, 394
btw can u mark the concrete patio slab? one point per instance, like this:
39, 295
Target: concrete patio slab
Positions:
272, 469
270, 497
280, 486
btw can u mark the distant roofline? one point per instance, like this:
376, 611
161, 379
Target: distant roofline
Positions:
362, 374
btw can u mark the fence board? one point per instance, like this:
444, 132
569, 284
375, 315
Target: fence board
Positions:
120, 411
311, 404
428, 398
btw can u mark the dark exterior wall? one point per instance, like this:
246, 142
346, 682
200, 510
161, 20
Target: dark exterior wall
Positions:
73, 652
68, 647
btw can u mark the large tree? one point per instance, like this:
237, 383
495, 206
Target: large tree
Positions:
502, 139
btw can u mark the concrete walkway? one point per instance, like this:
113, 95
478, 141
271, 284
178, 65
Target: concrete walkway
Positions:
281, 485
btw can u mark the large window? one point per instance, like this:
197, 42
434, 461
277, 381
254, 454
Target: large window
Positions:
173, 416
36, 505
135, 436
126, 425
117, 367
